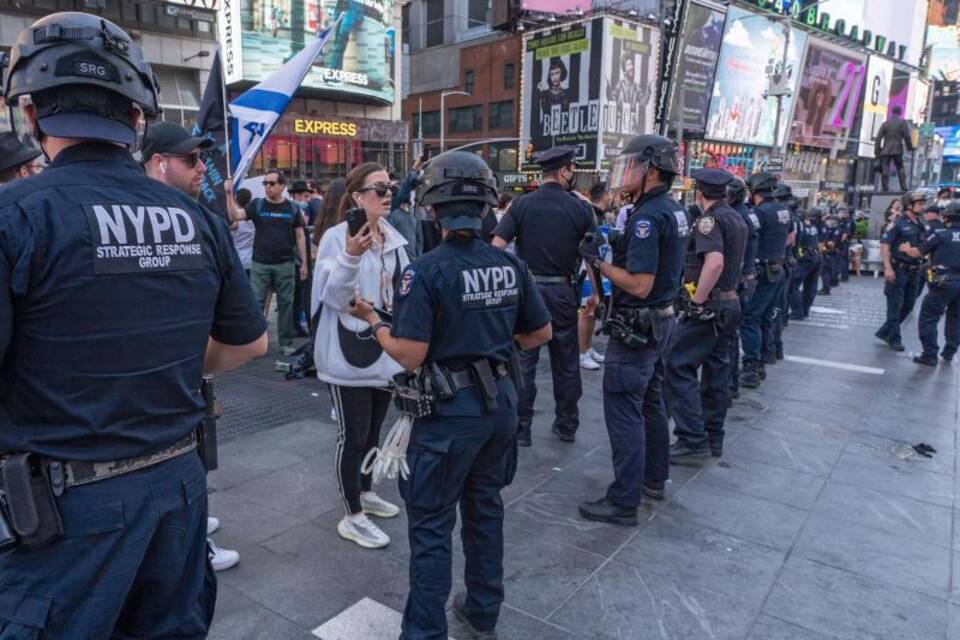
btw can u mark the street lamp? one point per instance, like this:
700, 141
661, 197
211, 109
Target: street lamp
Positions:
443, 125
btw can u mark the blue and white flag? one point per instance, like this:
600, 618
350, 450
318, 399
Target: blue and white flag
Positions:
254, 113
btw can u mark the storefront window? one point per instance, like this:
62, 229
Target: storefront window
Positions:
503, 157
378, 152
179, 95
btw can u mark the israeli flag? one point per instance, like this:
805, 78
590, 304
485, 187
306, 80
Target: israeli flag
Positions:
254, 113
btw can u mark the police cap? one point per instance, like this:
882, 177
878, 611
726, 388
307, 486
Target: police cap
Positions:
712, 183
557, 157
171, 138
61, 57
762, 182
458, 176
13, 152
736, 191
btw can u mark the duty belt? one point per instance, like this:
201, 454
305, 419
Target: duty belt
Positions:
662, 312
80, 473
463, 379
568, 280
724, 295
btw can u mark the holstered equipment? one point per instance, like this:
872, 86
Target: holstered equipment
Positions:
634, 327
772, 269
207, 433
410, 395
566, 280
28, 493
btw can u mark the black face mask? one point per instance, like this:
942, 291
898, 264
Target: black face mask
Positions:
572, 183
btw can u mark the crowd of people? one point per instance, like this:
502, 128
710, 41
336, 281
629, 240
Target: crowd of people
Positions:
439, 302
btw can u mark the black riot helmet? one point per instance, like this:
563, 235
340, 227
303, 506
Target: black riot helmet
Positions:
84, 75
813, 213
459, 177
762, 182
951, 213
640, 153
736, 192
910, 197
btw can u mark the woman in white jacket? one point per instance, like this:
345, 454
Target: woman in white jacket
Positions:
348, 359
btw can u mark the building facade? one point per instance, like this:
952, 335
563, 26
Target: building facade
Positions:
177, 40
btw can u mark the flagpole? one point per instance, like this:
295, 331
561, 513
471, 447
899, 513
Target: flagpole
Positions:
226, 117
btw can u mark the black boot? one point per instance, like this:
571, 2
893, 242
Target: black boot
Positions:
770, 358
523, 435
750, 376
655, 489
779, 353
603, 510
897, 346
762, 370
930, 361
460, 610
564, 434
684, 453
716, 448
947, 354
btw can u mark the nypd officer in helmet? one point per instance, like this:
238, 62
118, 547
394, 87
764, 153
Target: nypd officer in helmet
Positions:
942, 245
698, 363
458, 313
646, 270
548, 225
775, 234
117, 293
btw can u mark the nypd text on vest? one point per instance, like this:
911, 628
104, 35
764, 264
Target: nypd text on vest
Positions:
489, 287
131, 238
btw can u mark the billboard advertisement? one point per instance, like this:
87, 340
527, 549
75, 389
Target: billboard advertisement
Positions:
696, 67
830, 88
629, 84
752, 49
951, 141
875, 102
562, 70
945, 52
258, 36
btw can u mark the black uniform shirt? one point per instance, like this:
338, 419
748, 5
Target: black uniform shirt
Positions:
753, 229
943, 247
809, 240
774, 228
467, 299
720, 229
111, 284
903, 229
653, 242
548, 225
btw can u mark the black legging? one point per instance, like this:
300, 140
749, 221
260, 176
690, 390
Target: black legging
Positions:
360, 414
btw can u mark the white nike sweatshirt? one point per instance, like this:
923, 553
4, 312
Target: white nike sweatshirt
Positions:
337, 278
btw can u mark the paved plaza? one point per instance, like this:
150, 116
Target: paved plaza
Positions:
820, 522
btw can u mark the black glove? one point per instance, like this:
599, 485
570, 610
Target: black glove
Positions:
700, 312
590, 246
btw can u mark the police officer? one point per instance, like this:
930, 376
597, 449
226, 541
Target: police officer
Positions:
846, 236
774, 236
116, 294
807, 273
548, 224
773, 350
943, 293
901, 271
830, 237
696, 384
645, 273
458, 309
736, 197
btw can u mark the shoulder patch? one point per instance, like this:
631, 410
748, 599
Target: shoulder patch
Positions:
642, 229
706, 224
406, 282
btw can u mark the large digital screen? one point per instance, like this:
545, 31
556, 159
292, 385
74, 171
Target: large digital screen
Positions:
562, 71
830, 90
945, 52
629, 85
698, 62
752, 50
951, 141
260, 35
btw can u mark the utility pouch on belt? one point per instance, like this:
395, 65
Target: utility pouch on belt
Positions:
410, 396
441, 385
207, 433
626, 332
7, 536
772, 271
483, 378
29, 494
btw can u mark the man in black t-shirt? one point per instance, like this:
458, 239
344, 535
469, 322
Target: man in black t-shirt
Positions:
279, 225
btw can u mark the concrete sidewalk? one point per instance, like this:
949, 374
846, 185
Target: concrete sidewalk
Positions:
820, 522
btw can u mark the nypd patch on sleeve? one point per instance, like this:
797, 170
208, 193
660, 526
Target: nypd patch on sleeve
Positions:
489, 287
705, 225
134, 238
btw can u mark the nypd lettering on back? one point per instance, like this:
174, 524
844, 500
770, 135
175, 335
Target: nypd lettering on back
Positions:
486, 287
130, 238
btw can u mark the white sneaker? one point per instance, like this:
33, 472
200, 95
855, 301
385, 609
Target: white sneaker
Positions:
588, 363
596, 357
361, 530
222, 559
212, 525
377, 506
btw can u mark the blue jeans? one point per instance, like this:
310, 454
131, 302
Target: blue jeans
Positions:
757, 317
636, 419
937, 301
132, 562
459, 456
901, 298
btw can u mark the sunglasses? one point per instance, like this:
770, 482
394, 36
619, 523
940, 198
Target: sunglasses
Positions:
380, 189
190, 159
